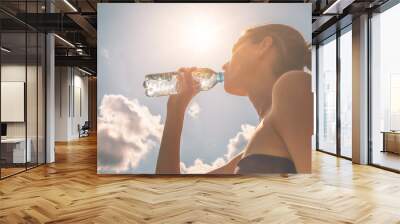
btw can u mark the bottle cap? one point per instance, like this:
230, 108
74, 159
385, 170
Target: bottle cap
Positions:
220, 76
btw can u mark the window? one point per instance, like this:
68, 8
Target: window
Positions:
327, 96
385, 89
346, 93
314, 81
394, 102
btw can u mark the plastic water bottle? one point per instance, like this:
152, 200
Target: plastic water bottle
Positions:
164, 84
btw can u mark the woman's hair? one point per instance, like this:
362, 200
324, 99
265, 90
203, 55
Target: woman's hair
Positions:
295, 52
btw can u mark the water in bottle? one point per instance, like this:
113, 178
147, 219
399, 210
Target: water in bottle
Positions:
163, 84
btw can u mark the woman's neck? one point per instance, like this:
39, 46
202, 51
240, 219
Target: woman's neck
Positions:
261, 95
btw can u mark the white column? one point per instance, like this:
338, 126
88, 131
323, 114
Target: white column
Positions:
50, 91
360, 89
50, 100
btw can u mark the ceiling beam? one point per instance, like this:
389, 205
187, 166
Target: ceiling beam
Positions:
338, 6
84, 24
81, 61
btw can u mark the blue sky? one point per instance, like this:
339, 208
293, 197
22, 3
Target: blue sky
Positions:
138, 39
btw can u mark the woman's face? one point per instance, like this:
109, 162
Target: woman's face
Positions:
238, 71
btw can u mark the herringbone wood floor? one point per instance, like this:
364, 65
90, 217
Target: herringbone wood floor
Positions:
70, 191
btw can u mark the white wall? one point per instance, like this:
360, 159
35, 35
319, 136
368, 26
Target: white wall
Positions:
16, 73
13, 73
70, 83
79, 117
62, 81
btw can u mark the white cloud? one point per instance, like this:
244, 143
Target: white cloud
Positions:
235, 145
238, 143
126, 132
199, 167
194, 110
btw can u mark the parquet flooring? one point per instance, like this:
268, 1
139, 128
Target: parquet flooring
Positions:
10, 171
70, 191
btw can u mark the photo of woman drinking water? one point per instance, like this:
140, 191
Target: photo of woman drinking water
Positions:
274, 56
204, 89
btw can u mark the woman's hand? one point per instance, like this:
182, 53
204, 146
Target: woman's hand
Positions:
187, 89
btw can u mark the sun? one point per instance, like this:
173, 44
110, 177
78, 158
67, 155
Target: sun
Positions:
202, 33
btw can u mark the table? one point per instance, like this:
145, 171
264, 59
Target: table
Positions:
13, 150
391, 141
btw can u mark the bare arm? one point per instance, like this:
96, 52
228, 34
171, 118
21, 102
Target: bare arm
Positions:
168, 161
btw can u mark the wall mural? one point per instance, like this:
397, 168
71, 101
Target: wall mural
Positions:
204, 88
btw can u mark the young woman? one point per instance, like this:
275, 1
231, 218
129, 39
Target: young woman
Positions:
267, 66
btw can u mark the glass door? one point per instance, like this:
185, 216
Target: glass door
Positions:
22, 77
14, 153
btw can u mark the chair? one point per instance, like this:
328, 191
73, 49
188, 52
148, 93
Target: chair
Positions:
84, 130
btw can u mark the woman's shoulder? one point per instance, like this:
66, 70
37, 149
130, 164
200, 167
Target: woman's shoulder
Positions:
295, 76
292, 83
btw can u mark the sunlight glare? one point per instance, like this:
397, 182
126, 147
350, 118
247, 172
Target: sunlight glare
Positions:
201, 33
